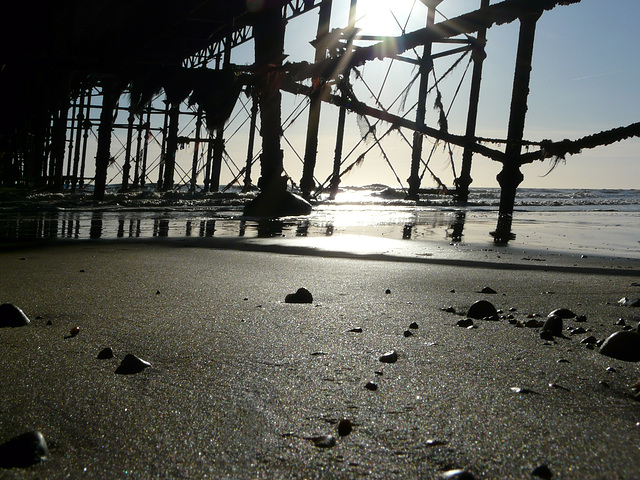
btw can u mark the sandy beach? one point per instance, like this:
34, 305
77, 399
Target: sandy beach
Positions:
241, 382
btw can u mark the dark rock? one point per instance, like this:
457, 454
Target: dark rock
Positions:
23, 451
49, 323
373, 386
553, 324
589, 340
277, 202
546, 335
448, 309
488, 290
131, 364
389, 357
387, 292
533, 323
408, 333
578, 331
344, 427
562, 313
467, 322
482, 309
623, 346
581, 318
324, 441
12, 316
105, 353
302, 295
355, 330
543, 472
629, 302
413, 325
74, 331
456, 475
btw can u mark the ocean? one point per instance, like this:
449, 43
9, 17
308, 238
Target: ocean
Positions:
582, 222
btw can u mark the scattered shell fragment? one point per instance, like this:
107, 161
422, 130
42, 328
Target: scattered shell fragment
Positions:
389, 357
23, 450
344, 427
629, 302
323, 441
543, 472
623, 346
12, 316
562, 313
302, 295
131, 364
482, 309
105, 353
521, 390
456, 475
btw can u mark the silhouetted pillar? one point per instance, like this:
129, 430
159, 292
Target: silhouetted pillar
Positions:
510, 177
85, 137
145, 150
478, 53
196, 152
307, 183
76, 156
218, 147
163, 145
110, 95
58, 141
252, 138
172, 146
126, 168
138, 161
426, 64
71, 144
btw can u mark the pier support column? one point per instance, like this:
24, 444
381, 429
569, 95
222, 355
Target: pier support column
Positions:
126, 168
273, 199
510, 177
307, 183
252, 138
110, 95
172, 146
478, 55
426, 64
58, 141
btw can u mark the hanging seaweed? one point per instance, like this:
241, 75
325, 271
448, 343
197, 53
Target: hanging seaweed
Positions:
442, 116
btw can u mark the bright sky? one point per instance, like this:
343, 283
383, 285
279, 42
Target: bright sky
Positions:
584, 80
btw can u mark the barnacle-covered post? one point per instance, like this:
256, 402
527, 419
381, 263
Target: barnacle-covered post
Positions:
311, 149
478, 56
510, 177
426, 64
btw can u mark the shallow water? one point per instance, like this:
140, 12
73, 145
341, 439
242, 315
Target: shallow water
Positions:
586, 222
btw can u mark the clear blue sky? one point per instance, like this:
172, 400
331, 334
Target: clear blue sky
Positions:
585, 76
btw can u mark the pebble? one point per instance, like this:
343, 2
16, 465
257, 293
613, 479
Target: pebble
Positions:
24, 450
589, 340
482, 309
467, 322
546, 335
456, 475
521, 390
344, 427
542, 471
355, 330
578, 331
12, 316
413, 325
387, 292
408, 333
533, 323
373, 386
131, 364
324, 441
562, 313
302, 295
629, 302
389, 357
623, 346
105, 353
581, 318
553, 324
488, 290
74, 331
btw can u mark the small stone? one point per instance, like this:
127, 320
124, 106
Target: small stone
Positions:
373, 386
562, 313
24, 450
413, 325
513, 309
105, 353
589, 340
563, 360
74, 331
482, 309
623, 346
389, 357
611, 370
408, 333
604, 384
324, 441
467, 322
453, 290
448, 309
580, 318
629, 302
543, 472
387, 292
344, 427
131, 364
12, 316
355, 330
157, 292
533, 323
456, 475
578, 331
435, 443
553, 324
488, 290
521, 390
49, 323
302, 295
546, 335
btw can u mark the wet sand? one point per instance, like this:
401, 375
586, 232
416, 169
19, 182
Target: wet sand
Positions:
239, 379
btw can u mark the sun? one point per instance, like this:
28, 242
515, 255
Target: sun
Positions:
382, 17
